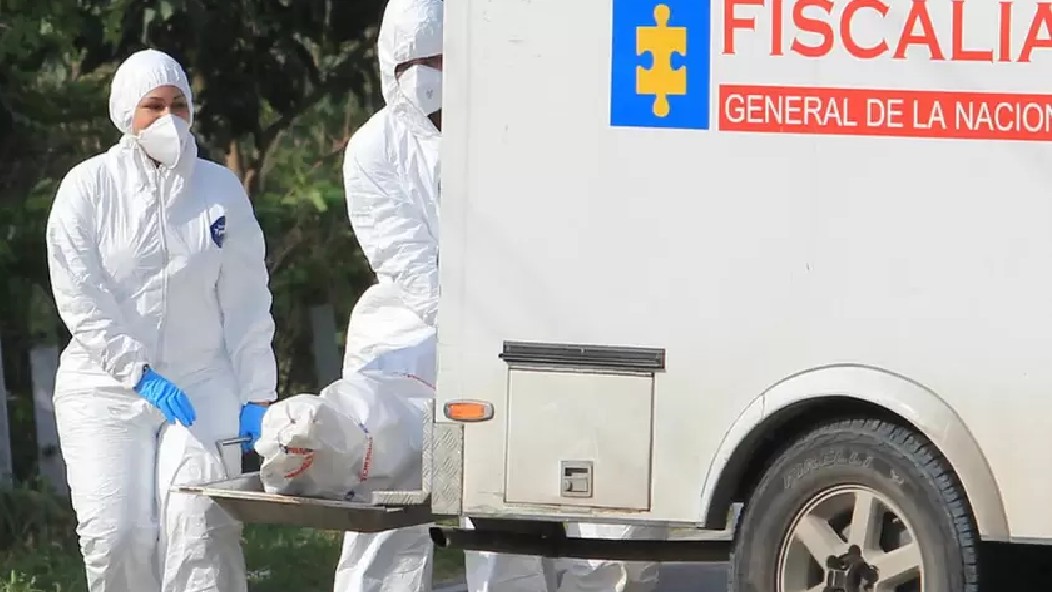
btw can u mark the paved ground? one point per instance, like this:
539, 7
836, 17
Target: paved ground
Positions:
675, 577
1010, 568
693, 577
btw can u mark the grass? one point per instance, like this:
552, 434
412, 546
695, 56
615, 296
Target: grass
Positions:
281, 559
38, 551
278, 559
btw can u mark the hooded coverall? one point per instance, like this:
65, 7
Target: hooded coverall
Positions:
391, 178
162, 266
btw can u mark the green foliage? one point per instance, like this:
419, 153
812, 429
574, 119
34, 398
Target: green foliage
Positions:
22, 418
30, 517
38, 552
278, 88
313, 256
38, 548
42, 570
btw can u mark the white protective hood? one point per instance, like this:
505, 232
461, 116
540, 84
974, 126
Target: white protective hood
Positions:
138, 75
410, 29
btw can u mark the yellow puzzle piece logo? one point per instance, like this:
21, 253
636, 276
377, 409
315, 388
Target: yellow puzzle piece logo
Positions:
661, 80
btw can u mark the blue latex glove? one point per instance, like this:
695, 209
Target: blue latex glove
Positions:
251, 420
167, 397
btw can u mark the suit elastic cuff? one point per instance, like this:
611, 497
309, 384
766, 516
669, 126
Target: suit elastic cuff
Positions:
131, 374
259, 398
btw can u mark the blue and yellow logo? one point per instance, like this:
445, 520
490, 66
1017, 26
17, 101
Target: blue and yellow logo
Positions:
671, 87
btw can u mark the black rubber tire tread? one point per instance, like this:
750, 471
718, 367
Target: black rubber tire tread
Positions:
904, 466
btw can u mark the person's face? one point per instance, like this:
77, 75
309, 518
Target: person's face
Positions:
435, 62
157, 103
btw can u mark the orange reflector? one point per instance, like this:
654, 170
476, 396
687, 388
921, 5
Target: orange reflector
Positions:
468, 410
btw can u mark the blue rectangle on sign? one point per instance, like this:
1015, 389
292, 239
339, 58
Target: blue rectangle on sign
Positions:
660, 63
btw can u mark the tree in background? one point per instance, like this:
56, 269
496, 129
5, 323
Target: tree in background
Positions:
279, 87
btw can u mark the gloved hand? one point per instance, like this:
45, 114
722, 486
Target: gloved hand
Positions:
251, 420
167, 397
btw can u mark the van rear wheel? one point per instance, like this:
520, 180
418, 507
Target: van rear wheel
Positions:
857, 505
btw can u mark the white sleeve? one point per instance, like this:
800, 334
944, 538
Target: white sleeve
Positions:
85, 303
393, 234
245, 299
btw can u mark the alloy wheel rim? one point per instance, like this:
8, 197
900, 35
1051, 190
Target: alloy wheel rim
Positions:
826, 527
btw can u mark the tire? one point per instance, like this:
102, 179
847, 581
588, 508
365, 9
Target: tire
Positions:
874, 465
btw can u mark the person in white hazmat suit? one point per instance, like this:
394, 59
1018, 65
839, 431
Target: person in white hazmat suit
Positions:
157, 269
391, 181
391, 178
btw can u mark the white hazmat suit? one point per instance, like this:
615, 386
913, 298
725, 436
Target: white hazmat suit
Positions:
391, 177
161, 266
391, 180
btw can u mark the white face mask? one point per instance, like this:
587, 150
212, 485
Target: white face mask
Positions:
422, 85
165, 139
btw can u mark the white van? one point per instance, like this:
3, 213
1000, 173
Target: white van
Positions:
790, 256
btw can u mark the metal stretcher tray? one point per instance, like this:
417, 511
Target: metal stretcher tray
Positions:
245, 499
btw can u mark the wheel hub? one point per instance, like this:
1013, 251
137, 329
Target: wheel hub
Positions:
850, 539
850, 572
